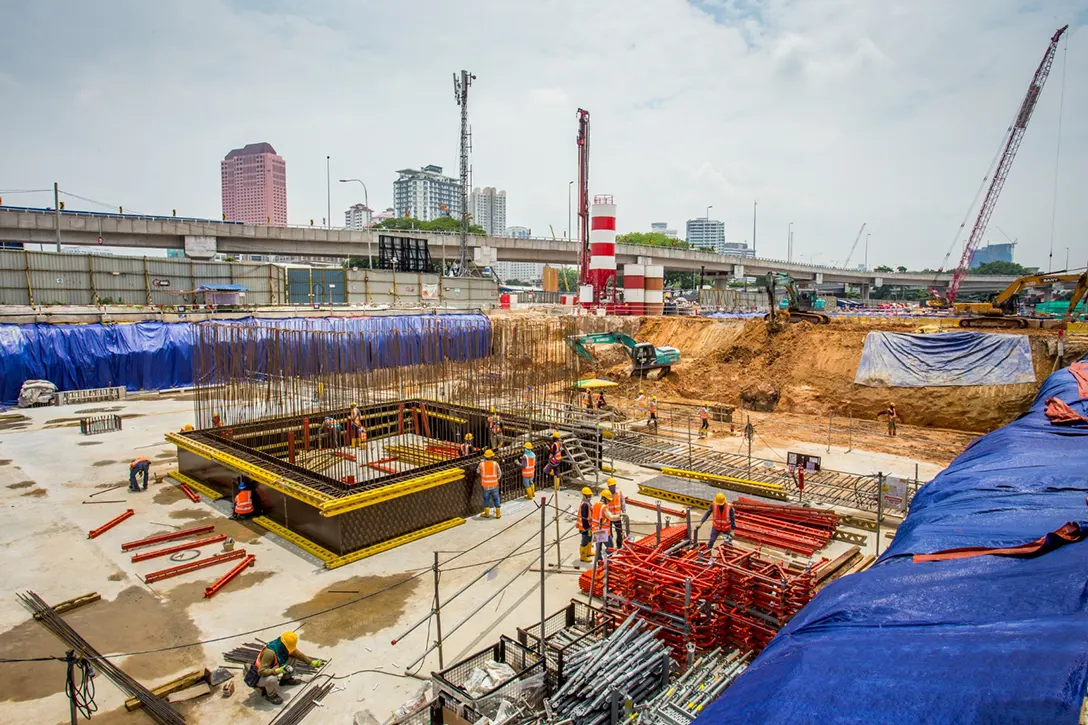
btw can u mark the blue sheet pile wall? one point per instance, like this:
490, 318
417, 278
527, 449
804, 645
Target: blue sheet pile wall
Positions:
158, 355
989, 639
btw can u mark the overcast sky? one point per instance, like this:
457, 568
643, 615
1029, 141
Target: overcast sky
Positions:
830, 113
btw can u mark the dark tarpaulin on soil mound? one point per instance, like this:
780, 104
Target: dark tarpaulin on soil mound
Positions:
903, 360
988, 639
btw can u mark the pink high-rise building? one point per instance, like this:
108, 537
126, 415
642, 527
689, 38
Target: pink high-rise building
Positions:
255, 185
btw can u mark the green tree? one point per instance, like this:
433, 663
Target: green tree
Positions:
568, 280
883, 268
441, 224
900, 268
1010, 268
651, 239
683, 280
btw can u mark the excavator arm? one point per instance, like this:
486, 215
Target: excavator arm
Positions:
1078, 294
1032, 280
578, 343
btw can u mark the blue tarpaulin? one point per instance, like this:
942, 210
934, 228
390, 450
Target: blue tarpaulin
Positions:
988, 639
158, 355
898, 360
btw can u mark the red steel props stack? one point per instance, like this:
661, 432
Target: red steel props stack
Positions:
793, 528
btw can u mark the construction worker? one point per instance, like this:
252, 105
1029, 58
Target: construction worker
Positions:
725, 519
490, 474
243, 502
600, 400
217, 422
640, 401
528, 398
272, 668
357, 430
528, 470
618, 506
555, 456
704, 422
653, 412
600, 519
494, 429
466, 446
587, 400
332, 429
139, 467
893, 417
585, 509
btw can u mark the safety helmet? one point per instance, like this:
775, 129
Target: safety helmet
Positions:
187, 427
241, 484
290, 641
555, 434
492, 410
468, 436
640, 392
654, 397
528, 446
587, 491
606, 494
489, 453
719, 499
891, 403
611, 482
354, 404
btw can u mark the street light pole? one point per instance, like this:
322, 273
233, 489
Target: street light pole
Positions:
570, 187
866, 252
789, 243
328, 193
366, 203
755, 208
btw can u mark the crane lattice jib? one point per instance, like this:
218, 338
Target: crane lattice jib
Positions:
1012, 144
583, 196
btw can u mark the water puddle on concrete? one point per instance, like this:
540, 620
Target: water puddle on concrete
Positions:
167, 495
5, 461
111, 409
89, 443
135, 620
100, 464
356, 620
237, 530
22, 484
14, 421
36, 493
193, 592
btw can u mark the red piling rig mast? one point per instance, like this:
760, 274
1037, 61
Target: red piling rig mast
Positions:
1012, 144
583, 197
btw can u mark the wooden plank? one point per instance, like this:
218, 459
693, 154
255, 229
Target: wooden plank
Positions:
190, 693
176, 685
827, 569
70, 604
842, 570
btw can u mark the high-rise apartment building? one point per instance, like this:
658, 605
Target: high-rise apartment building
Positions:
358, 216
993, 253
663, 228
522, 271
254, 185
426, 194
518, 232
489, 210
707, 234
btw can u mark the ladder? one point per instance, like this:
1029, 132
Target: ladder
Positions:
581, 465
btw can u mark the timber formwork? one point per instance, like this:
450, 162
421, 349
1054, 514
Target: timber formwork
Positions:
341, 518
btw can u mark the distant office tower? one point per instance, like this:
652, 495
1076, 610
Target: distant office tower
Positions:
254, 185
522, 271
489, 210
706, 234
426, 194
993, 253
357, 216
735, 249
518, 232
663, 228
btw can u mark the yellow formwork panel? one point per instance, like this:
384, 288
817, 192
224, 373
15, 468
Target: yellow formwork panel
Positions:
300, 541
771, 490
692, 501
194, 484
387, 493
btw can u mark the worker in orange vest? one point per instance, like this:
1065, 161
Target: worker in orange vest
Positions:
139, 467
494, 427
466, 447
490, 474
600, 519
725, 519
618, 507
704, 422
653, 412
585, 509
358, 431
528, 470
555, 456
243, 501
587, 400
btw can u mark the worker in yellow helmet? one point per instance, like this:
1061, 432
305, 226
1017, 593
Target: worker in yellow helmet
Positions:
585, 550
618, 506
725, 519
272, 668
490, 474
555, 456
600, 521
466, 447
893, 417
528, 470
494, 429
653, 413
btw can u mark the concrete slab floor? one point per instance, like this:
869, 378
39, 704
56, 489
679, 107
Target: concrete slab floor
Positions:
48, 470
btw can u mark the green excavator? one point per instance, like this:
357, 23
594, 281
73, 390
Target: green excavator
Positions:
801, 306
645, 358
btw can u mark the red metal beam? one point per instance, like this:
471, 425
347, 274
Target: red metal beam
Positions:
194, 565
380, 467
178, 547
223, 580
109, 525
159, 538
653, 507
190, 493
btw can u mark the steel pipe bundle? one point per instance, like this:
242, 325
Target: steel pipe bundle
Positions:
631, 664
159, 710
302, 704
682, 701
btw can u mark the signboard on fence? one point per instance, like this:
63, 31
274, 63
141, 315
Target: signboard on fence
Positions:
894, 494
803, 461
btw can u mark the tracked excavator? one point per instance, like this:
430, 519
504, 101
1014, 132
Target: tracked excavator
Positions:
1000, 312
645, 358
800, 305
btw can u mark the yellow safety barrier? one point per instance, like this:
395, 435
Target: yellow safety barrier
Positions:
771, 490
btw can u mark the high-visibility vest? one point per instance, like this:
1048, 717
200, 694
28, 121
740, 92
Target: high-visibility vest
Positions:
243, 502
653, 406
489, 474
356, 418
138, 461
597, 519
583, 515
721, 516
616, 504
528, 466
466, 448
703, 415
587, 398
557, 453
495, 423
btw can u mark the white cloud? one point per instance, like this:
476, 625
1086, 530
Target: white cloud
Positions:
829, 113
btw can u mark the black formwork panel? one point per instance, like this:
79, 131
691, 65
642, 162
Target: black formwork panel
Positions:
371, 525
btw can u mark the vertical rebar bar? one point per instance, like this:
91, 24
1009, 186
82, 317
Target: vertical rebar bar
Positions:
438, 614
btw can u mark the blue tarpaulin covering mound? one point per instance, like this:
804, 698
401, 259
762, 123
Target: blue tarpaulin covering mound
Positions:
898, 360
988, 639
159, 355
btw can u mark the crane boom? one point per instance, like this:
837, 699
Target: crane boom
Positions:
856, 239
583, 196
1013, 138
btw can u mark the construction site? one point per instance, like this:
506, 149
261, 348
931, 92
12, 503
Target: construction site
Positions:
583, 511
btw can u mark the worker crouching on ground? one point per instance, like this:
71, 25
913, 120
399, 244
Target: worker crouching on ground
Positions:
893, 418
139, 467
725, 519
490, 474
243, 502
528, 470
585, 526
272, 669
601, 519
618, 507
600, 400
555, 456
